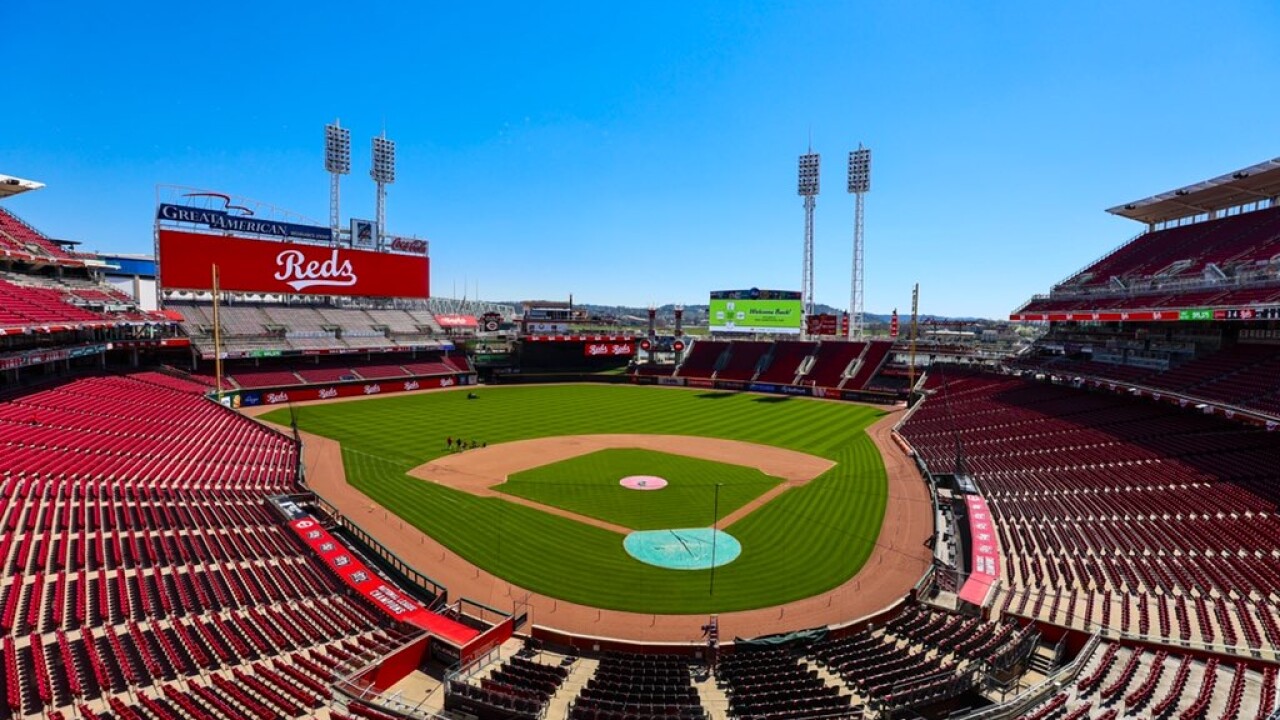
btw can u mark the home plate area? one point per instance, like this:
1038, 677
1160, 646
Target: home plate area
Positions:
683, 549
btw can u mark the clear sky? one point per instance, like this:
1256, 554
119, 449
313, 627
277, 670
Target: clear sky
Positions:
640, 153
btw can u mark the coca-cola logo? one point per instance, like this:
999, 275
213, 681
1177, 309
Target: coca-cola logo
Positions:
410, 246
373, 389
411, 385
277, 397
299, 273
328, 393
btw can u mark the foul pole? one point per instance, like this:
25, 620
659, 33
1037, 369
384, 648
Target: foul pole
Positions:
217, 337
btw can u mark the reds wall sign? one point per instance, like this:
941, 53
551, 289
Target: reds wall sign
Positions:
244, 265
608, 349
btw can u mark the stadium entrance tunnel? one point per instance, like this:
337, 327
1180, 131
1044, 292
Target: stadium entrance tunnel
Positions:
684, 548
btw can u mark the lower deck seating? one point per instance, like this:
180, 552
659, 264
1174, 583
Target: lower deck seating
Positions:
141, 573
519, 687
630, 685
1126, 513
1165, 684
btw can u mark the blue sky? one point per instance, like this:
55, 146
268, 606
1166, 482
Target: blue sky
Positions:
646, 152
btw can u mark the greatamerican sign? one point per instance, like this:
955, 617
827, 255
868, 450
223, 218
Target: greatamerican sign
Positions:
221, 220
246, 265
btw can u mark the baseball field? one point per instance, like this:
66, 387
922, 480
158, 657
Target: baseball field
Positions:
539, 503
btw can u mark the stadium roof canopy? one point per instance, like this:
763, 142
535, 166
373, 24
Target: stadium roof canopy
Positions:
13, 186
1241, 187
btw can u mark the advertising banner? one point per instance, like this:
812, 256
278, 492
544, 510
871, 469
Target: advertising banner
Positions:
252, 398
351, 569
362, 234
452, 320
1194, 314
226, 222
984, 554
824, 324
608, 349
547, 328
246, 265
755, 311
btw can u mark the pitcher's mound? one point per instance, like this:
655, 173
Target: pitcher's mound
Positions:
643, 482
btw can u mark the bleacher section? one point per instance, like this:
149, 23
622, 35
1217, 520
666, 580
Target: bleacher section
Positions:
1127, 514
831, 361
870, 364
143, 575
702, 358
744, 358
784, 363
344, 369
247, 326
829, 364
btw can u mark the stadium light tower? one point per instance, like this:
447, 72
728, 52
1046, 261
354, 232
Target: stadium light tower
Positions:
859, 186
808, 189
383, 173
337, 161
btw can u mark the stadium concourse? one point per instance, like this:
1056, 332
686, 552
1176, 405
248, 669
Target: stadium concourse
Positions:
1104, 534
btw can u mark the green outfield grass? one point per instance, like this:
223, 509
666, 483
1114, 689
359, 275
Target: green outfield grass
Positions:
807, 540
588, 484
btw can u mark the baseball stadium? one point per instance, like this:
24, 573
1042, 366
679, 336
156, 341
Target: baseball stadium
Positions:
263, 472
996, 437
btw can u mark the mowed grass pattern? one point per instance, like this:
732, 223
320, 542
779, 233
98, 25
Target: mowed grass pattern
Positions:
588, 484
804, 542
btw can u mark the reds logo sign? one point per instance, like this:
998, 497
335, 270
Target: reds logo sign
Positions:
609, 349
372, 389
277, 397
298, 272
328, 393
